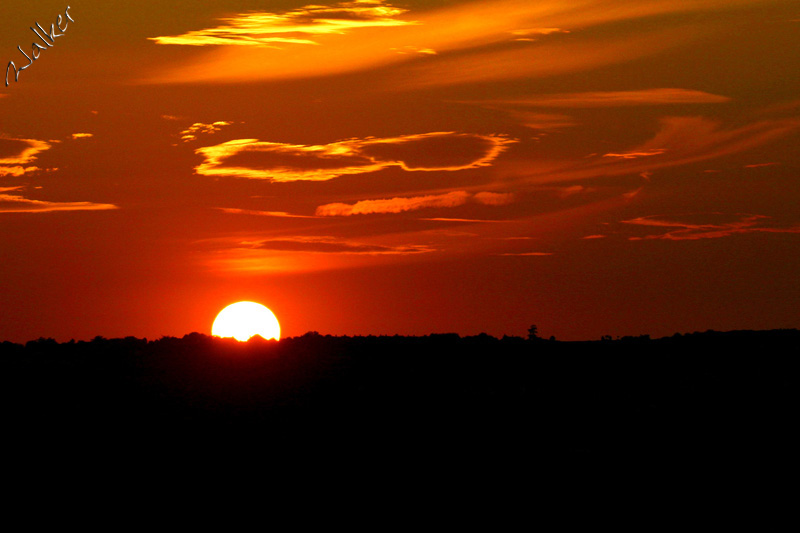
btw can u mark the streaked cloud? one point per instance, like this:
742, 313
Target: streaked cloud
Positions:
544, 121
528, 254
191, 133
17, 204
403, 50
255, 212
467, 38
761, 165
463, 220
281, 162
493, 198
14, 153
81, 135
394, 205
328, 245
696, 226
298, 26
679, 141
662, 96
413, 203
637, 154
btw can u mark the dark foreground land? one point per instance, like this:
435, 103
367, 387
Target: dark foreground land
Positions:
716, 395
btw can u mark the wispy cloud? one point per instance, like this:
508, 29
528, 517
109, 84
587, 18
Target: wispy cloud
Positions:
637, 154
662, 96
761, 165
679, 141
463, 220
191, 133
298, 26
81, 135
696, 226
413, 203
255, 212
280, 162
403, 50
528, 254
330, 245
14, 153
474, 41
17, 204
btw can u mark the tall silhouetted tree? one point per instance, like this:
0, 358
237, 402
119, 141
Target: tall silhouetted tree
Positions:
533, 332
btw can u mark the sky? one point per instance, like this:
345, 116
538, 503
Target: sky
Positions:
594, 167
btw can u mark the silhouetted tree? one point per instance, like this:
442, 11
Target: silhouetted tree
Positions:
533, 332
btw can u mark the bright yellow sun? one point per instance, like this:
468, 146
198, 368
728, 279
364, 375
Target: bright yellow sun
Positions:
242, 320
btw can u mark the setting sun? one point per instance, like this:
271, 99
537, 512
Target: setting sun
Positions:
243, 320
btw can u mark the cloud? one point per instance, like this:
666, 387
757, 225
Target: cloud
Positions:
527, 254
760, 165
253, 212
280, 162
528, 32
298, 26
542, 121
636, 154
403, 50
474, 41
695, 226
663, 96
329, 245
190, 133
14, 153
679, 141
467, 220
493, 198
16, 204
394, 205
81, 135
400, 205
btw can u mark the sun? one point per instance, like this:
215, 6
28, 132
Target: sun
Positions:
242, 320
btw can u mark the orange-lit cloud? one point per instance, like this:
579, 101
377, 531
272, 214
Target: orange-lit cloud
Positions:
17, 204
81, 135
298, 26
400, 205
662, 96
14, 153
280, 162
328, 245
191, 133
255, 212
414, 50
635, 154
493, 198
467, 220
761, 165
528, 254
543, 121
679, 141
708, 226
465, 37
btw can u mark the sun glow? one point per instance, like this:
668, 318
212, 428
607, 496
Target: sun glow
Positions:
243, 320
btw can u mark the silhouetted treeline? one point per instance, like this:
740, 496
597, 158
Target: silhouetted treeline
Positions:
702, 393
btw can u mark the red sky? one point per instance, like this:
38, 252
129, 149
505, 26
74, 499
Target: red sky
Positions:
594, 167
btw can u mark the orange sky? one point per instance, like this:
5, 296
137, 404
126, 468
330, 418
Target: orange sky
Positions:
594, 167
